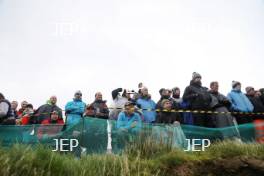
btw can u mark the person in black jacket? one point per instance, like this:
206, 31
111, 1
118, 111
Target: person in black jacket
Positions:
98, 108
221, 103
256, 102
166, 116
166, 94
44, 111
199, 99
258, 120
261, 91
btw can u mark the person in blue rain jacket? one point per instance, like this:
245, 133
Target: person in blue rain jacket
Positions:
75, 109
129, 120
144, 102
240, 103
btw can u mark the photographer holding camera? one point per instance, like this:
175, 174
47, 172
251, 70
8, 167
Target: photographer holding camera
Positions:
120, 97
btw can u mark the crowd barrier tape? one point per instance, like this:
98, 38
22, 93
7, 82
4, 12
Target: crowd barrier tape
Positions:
183, 111
195, 111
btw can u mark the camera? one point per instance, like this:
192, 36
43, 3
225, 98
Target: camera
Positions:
130, 91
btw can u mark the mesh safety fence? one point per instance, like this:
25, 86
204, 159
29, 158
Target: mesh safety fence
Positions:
100, 136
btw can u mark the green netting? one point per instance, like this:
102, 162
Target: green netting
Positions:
244, 132
99, 136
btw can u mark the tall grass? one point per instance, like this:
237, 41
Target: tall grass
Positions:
140, 158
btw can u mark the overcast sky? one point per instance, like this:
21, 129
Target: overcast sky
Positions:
55, 47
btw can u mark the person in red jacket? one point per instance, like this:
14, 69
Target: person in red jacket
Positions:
51, 127
28, 116
54, 119
22, 109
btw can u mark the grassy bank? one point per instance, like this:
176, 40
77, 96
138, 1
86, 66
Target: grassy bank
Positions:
226, 158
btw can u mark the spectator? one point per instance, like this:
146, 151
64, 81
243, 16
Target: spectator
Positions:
22, 109
140, 86
240, 103
258, 94
187, 117
6, 115
198, 98
166, 116
75, 109
52, 126
128, 120
44, 111
54, 118
176, 95
255, 100
137, 95
262, 95
28, 116
14, 105
220, 103
118, 102
147, 105
258, 108
98, 108
166, 94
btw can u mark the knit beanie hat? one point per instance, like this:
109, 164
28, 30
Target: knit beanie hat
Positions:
78, 92
196, 75
235, 83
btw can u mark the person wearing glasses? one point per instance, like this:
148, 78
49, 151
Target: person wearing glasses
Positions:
75, 109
